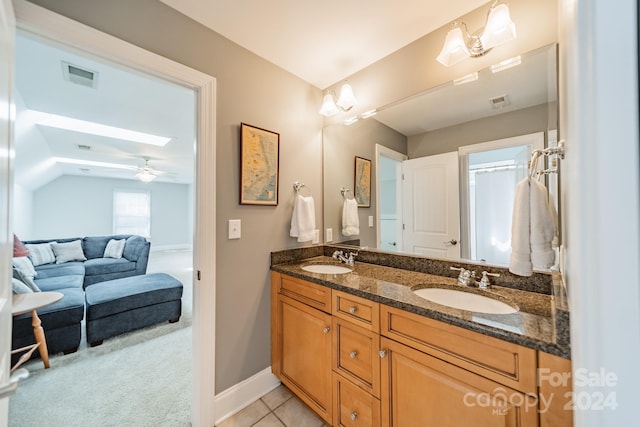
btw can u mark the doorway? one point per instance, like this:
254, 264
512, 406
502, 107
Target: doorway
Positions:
62, 30
388, 171
489, 173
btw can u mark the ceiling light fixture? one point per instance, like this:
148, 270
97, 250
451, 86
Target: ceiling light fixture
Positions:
346, 101
459, 44
145, 176
92, 128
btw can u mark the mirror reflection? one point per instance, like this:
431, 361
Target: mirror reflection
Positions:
445, 162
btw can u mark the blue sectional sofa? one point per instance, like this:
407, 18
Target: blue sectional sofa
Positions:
62, 320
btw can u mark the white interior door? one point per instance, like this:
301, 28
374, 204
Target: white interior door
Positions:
389, 196
7, 32
431, 212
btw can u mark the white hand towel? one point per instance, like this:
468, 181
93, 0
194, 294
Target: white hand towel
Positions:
303, 219
532, 229
350, 221
543, 227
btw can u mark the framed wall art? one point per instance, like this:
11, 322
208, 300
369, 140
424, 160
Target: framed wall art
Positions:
362, 182
259, 166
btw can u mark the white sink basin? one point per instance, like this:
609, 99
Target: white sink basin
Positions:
326, 269
465, 301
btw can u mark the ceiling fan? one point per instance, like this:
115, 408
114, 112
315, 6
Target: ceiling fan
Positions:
146, 173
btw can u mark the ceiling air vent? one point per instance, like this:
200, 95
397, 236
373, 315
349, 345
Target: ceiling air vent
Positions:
83, 147
78, 75
499, 102
85, 170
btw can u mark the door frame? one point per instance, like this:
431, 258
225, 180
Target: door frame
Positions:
63, 31
381, 150
536, 139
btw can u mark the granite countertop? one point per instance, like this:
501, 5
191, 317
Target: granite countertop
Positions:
534, 325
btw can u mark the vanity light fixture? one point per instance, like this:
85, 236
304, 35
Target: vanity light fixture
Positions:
459, 44
346, 101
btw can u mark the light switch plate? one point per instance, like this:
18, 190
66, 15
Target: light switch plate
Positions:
328, 235
234, 229
370, 220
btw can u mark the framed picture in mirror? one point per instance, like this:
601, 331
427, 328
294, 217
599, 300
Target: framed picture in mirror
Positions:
362, 182
259, 166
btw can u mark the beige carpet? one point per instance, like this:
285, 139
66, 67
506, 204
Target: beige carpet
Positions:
142, 378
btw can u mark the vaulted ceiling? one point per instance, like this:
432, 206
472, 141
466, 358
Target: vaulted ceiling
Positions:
320, 42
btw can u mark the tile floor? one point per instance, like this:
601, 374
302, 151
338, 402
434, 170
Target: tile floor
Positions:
278, 408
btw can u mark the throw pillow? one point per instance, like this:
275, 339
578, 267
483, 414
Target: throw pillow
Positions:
28, 281
19, 249
66, 252
19, 288
114, 248
24, 264
41, 253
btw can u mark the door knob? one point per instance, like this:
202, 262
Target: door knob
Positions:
451, 242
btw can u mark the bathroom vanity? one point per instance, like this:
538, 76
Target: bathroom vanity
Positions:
362, 349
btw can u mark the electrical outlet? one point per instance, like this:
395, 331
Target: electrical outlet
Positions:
234, 229
328, 235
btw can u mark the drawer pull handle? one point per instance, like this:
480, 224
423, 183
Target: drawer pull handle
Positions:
354, 415
353, 354
326, 329
352, 309
382, 353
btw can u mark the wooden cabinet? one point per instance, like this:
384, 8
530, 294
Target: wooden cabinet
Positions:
555, 392
302, 343
358, 363
422, 390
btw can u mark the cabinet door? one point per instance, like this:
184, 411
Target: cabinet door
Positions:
421, 390
305, 349
555, 391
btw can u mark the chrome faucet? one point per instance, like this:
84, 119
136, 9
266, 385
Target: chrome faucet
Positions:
339, 255
484, 281
466, 277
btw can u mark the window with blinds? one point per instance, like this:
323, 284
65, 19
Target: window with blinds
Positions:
132, 212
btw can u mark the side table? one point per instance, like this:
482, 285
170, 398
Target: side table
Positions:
25, 303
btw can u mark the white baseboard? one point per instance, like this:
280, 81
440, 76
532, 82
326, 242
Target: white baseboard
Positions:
180, 247
239, 396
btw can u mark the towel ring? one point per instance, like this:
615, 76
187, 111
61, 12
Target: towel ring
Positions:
345, 191
298, 186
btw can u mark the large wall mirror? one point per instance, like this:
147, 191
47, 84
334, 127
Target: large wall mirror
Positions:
483, 127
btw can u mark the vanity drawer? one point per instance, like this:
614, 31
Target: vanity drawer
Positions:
355, 355
317, 296
501, 361
353, 407
361, 311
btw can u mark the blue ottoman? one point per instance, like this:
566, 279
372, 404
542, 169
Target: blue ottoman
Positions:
123, 305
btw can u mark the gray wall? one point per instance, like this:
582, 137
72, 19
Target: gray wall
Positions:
341, 145
250, 90
76, 206
520, 122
